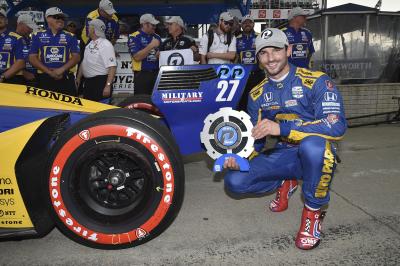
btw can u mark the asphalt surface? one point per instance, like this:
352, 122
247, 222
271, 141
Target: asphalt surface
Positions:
361, 226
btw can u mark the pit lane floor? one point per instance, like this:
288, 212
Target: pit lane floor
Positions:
361, 226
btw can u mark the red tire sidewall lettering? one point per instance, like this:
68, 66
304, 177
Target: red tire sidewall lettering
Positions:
134, 134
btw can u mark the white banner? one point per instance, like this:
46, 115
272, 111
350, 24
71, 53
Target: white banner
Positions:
38, 16
176, 57
274, 13
123, 81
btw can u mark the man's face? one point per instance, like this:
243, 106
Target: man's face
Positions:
300, 20
25, 29
174, 28
149, 28
3, 22
104, 14
274, 60
247, 26
226, 26
56, 22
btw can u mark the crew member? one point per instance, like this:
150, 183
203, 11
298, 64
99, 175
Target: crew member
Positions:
54, 52
12, 48
144, 46
305, 109
25, 26
98, 65
299, 38
107, 14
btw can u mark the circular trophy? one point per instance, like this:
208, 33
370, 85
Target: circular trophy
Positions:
227, 133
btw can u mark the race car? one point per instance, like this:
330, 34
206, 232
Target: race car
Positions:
107, 177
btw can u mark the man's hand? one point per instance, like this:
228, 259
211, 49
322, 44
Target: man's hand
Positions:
230, 163
154, 43
107, 91
210, 55
264, 128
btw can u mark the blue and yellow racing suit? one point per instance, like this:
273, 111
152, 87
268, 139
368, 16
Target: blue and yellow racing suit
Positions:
309, 110
112, 26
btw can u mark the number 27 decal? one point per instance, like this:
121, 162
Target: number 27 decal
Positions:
228, 90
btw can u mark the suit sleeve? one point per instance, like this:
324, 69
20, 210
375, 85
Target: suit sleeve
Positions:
330, 122
254, 111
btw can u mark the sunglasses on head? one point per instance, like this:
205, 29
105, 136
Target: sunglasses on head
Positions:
58, 17
230, 23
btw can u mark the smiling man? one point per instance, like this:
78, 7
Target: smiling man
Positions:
305, 109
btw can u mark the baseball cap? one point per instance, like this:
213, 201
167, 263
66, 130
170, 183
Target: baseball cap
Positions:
247, 17
107, 6
53, 11
28, 20
99, 27
226, 16
148, 18
3, 12
271, 37
177, 19
296, 11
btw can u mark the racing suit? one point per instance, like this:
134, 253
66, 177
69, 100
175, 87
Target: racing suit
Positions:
309, 110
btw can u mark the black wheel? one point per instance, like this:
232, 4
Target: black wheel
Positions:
115, 180
140, 102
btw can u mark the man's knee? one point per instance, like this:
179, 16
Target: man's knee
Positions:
235, 182
312, 146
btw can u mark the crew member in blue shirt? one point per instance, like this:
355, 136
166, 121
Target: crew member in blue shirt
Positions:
144, 47
54, 52
246, 54
299, 38
107, 14
12, 46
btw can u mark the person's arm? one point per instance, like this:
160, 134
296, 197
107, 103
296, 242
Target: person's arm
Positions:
35, 62
14, 69
75, 51
229, 55
203, 47
109, 60
142, 54
330, 122
110, 78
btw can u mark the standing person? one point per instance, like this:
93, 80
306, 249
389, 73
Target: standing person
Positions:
219, 46
246, 54
12, 48
299, 38
54, 52
305, 109
25, 26
144, 46
72, 27
98, 65
107, 14
177, 39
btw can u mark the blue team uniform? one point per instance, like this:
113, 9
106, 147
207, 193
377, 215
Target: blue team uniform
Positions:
54, 50
12, 46
302, 46
246, 49
136, 42
28, 65
112, 26
309, 110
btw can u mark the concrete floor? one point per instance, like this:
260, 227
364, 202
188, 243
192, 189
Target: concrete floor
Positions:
361, 226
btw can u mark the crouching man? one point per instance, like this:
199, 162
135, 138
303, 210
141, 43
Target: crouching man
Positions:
305, 109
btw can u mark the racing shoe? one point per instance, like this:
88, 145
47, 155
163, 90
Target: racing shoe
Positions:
281, 201
309, 234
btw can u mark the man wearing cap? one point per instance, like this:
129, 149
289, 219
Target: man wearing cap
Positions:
107, 14
98, 65
299, 38
71, 26
177, 40
246, 54
54, 52
144, 46
12, 46
219, 46
305, 109
25, 26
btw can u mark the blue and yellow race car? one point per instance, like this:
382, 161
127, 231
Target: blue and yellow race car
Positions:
107, 177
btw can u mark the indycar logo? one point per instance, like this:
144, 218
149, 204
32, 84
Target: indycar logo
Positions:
53, 95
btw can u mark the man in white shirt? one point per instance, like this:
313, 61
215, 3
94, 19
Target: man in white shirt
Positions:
99, 64
219, 46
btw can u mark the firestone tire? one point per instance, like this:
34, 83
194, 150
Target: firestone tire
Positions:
140, 102
115, 180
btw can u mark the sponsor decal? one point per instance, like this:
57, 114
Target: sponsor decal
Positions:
290, 103
327, 172
5, 181
14, 222
175, 59
53, 95
6, 213
330, 104
6, 191
330, 96
140, 233
7, 202
84, 135
225, 72
268, 96
332, 119
329, 85
164, 167
297, 92
182, 97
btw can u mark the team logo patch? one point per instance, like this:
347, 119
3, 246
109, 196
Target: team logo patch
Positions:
332, 119
297, 92
141, 233
268, 97
290, 103
84, 135
266, 34
329, 85
330, 97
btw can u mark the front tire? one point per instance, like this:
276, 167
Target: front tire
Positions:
115, 180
